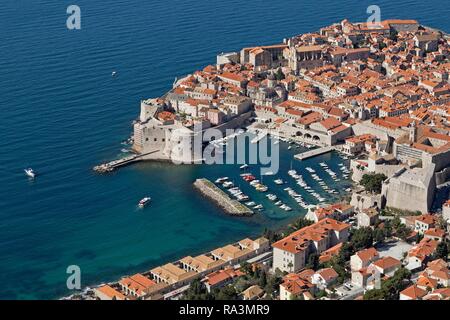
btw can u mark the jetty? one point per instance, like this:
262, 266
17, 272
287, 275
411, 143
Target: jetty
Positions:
223, 200
313, 153
112, 165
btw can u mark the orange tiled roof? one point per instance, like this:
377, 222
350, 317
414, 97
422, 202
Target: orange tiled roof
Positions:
299, 240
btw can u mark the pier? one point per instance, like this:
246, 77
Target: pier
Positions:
111, 166
215, 194
313, 153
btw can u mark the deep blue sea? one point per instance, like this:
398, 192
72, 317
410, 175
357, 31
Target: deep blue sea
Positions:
62, 113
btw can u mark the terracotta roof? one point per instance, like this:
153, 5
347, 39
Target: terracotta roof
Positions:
414, 292
367, 254
387, 263
328, 274
299, 240
111, 292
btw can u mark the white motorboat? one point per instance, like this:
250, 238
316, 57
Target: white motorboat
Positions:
113, 73
278, 181
144, 202
29, 172
244, 166
222, 179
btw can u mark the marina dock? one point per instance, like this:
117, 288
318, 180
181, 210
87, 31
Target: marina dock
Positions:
215, 194
313, 153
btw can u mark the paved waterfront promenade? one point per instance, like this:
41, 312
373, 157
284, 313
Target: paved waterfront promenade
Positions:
212, 192
313, 153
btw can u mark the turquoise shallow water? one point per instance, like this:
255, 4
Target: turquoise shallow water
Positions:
62, 113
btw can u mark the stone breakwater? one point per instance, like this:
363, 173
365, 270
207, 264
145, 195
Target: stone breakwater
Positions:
213, 193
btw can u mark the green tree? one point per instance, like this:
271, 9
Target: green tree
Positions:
373, 182
273, 283
197, 291
271, 235
442, 251
301, 223
390, 288
362, 238
313, 261
403, 232
379, 235
226, 293
247, 268
279, 75
321, 294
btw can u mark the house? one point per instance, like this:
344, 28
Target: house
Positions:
434, 234
426, 283
336, 211
361, 277
328, 254
357, 144
367, 217
137, 286
421, 253
324, 278
107, 292
438, 294
291, 253
386, 265
425, 222
253, 293
221, 278
297, 285
438, 270
363, 258
412, 293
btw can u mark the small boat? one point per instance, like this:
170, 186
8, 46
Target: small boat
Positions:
29, 172
244, 166
278, 181
269, 173
258, 207
262, 188
228, 184
289, 148
250, 204
144, 202
113, 73
222, 179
